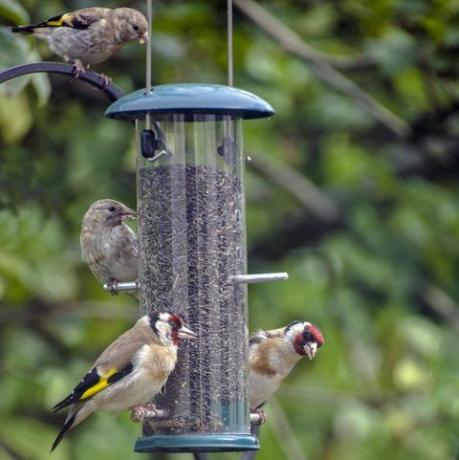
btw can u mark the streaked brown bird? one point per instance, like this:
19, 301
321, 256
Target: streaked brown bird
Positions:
273, 354
129, 373
108, 245
89, 35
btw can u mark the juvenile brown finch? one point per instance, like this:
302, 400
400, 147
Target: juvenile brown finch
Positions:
273, 354
129, 372
108, 245
89, 35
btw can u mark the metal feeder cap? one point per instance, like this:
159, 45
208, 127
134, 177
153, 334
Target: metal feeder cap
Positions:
190, 99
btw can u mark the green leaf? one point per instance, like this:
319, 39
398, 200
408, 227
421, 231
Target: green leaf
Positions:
13, 11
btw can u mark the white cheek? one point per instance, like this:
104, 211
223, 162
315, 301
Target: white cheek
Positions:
164, 331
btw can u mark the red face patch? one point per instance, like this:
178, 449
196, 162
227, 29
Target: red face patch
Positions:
298, 344
310, 334
175, 321
315, 334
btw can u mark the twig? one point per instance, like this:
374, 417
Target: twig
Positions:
284, 432
292, 43
306, 192
200, 456
442, 304
347, 63
250, 455
93, 309
13, 454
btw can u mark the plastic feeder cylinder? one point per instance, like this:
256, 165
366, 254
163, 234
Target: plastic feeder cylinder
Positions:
192, 242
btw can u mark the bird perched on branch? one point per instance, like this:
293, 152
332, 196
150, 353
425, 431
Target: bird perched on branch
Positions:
272, 356
89, 35
108, 245
129, 373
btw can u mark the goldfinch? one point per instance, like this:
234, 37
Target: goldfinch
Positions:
89, 35
108, 245
130, 372
273, 354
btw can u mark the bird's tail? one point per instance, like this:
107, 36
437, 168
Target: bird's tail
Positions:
67, 425
23, 29
77, 413
70, 399
30, 29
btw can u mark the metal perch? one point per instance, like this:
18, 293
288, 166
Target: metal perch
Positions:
90, 77
238, 279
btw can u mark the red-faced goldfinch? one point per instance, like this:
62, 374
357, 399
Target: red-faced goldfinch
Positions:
108, 245
274, 353
130, 372
90, 35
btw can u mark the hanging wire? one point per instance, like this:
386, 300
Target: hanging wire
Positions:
230, 43
228, 124
148, 64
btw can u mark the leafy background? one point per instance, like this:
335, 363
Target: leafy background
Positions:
352, 189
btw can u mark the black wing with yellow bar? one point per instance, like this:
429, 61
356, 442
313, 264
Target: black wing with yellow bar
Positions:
91, 384
75, 21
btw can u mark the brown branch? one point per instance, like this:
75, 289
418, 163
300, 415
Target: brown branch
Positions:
361, 62
442, 304
292, 43
284, 432
320, 216
311, 198
37, 310
12, 453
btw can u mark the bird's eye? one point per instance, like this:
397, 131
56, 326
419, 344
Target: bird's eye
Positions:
111, 208
175, 322
307, 336
136, 28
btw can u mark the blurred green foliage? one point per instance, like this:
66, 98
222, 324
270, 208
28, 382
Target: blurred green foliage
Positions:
379, 276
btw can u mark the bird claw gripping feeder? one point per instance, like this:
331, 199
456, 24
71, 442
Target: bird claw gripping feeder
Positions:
190, 188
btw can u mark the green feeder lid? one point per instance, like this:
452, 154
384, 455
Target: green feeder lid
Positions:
190, 99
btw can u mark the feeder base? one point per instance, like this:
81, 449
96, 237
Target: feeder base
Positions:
197, 443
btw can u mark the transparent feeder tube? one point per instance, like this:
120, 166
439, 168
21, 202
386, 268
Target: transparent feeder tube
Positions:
192, 242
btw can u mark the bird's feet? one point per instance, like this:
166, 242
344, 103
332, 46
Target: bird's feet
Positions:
78, 68
106, 81
139, 413
112, 284
258, 417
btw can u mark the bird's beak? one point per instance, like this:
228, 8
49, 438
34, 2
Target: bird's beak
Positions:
186, 333
129, 214
310, 348
144, 38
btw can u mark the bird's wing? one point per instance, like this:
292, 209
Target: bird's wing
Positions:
114, 364
135, 244
257, 337
124, 348
261, 336
130, 249
79, 19
94, 381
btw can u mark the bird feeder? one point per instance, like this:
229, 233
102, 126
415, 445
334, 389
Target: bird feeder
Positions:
191, 221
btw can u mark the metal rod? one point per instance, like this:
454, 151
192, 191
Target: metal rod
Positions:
260, 278
88, 76
151, 413
148, 64
200, 456
256, 419
255, 430
230, 43
122, 286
